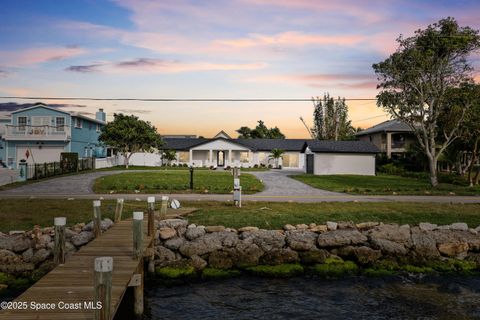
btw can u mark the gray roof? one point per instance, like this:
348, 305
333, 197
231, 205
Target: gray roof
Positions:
325, 146
299, 145
387, 126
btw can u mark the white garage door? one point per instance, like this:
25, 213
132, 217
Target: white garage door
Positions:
331, 163
45, 154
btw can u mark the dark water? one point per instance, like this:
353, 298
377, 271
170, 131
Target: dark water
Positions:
314, 298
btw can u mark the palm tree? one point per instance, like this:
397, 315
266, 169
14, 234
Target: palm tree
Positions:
276, 154
169, 156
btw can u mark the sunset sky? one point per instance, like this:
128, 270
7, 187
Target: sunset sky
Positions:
210, 49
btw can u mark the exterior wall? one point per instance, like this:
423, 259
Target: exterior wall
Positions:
85, 140
40, 111
378, 139
336, 163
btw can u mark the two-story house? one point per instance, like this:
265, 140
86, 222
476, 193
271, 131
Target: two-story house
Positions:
39, 134
392, 137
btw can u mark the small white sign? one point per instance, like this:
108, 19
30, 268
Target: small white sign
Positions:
175, 204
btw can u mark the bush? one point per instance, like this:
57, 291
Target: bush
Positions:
270, 166
392, 169
255, 166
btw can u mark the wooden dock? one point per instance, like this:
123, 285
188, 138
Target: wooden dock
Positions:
72, 284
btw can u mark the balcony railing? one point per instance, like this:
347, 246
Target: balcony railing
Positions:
37, 132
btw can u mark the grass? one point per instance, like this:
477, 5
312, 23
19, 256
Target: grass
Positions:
175, 181
383, 185
23, 214
174, 168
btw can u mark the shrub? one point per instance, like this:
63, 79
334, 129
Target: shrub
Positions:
392, 169
255, 166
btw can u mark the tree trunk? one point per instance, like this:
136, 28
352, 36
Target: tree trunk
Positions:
472, 163
127, 157
432, 163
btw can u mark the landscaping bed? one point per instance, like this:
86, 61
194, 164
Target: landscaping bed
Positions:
385, 185
175, 181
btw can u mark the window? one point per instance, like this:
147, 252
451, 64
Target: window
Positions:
78, 123
60, 124
262, 156
183, 156
244, 157
98, 128
10, 162
290, 160
22, 123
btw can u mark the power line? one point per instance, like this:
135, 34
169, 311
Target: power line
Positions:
178, 99
358, 120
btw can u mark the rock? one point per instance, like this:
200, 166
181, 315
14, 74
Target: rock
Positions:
265, 239
424, 244
82, 238
388, 247
42, 241
210, 229
319, 228
200, 246
167, 233
313, 256
459, 226
191, 226
198, 263
229, 239
27, 255
289, 227
332, 225
173, 223
194, 232
88, 226
40, 256
16, 232
106, 224
279, 256
301, 226
15, 243
453, 249
174, 243
246, 254
220, 260
366, 255
301, 240
17, 268
452, 237
425, 226
339, 238
446, 227
392, 232
366, 225
345, 225
8, 257
312, 225
69, 233
163, 254
477, 229
246, 229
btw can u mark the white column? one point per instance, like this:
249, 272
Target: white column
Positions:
190, 157
210, 157
389, 145
229, 157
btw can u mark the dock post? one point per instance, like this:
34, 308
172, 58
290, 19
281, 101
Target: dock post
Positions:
97, 218
163, 208
137, 234
59, 248
151, 213
119, 210
137, 254
151, 232
103, 287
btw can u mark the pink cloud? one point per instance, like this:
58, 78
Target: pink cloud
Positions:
38, 55
291, 39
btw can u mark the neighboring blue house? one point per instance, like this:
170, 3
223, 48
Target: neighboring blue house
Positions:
39, 134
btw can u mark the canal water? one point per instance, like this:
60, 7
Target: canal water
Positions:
428, 297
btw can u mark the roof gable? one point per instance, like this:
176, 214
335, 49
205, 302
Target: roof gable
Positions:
37, 106
222, 134
221, 143
387, 126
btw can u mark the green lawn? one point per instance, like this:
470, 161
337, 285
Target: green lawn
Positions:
383, 184
23, 214
175, 181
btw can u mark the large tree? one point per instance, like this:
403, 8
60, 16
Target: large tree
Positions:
129, 134
330, 119
261, 131
422, 80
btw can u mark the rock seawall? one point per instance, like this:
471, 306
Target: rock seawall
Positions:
179, 244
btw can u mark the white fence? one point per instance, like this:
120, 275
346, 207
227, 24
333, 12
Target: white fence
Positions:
109, 162
8, 176
137, 159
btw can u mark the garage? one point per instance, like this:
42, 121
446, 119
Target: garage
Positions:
50, 153
340, 157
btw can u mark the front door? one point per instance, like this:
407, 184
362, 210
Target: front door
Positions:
310, 163
220, 158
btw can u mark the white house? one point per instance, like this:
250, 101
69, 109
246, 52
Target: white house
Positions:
356, 157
